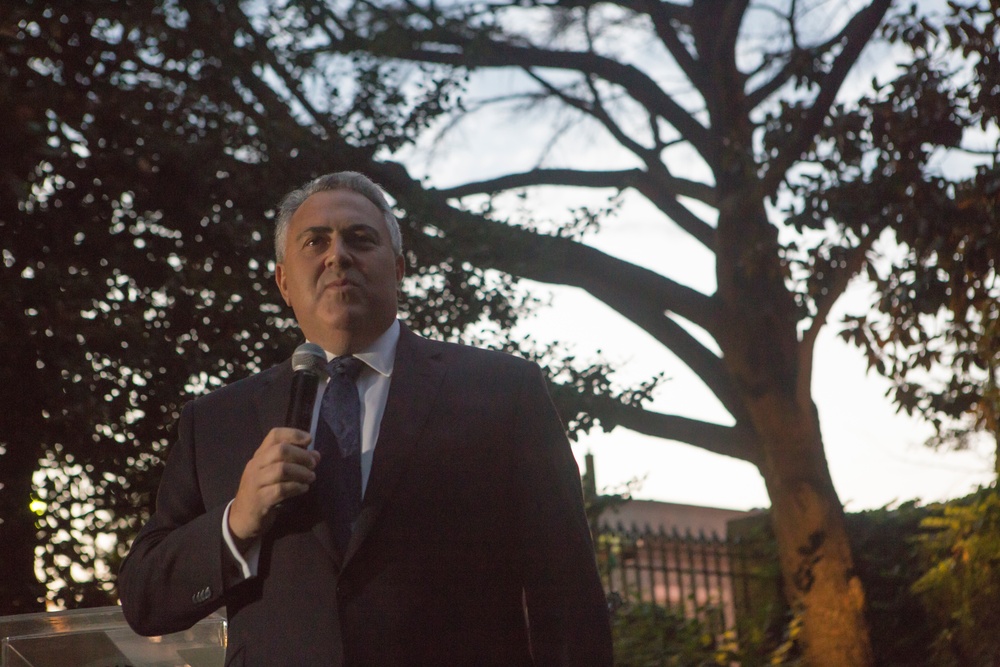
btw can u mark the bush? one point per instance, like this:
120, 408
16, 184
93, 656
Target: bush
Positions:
888, 562
932, 581
961, 586
647, 635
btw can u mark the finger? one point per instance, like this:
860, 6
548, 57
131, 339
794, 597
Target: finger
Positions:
272, 491
274, 495
294, 472
283, 471
286, 453
297, 454
292, 436
286, 490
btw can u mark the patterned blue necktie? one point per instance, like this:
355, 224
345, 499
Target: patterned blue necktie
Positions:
338, 439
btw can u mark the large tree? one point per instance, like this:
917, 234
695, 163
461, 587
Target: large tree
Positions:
133, 210
807, 183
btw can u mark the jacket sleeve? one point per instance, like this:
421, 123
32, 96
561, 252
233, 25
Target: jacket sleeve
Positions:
568, 618
178, 567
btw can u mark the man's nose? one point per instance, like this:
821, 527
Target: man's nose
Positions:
339, 253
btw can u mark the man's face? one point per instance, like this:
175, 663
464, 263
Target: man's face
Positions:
339, 272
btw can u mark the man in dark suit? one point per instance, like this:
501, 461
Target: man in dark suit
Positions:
470, 546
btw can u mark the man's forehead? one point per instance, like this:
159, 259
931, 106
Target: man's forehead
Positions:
337, 206
339, 197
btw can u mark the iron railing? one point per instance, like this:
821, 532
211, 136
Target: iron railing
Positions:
723, 582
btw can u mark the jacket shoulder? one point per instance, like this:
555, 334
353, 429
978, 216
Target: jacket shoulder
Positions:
239, 390
462, 354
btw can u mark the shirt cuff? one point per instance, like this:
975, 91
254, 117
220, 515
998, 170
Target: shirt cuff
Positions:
247, 561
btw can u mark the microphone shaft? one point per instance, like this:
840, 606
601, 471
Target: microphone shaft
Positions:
300, 404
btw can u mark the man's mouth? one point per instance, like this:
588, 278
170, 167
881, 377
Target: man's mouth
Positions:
338, 284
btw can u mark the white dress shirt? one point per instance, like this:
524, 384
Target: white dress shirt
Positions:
373, 390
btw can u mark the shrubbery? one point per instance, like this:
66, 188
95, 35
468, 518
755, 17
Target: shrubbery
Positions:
646, 635
961, 586
932, 580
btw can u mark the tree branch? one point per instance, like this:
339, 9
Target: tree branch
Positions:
281, 70
642, 296
619, 179
661, 14
855, 259
662, 190
491, 52
856, 34
766, 89
562, 261
638, 294
597, 111
731, 441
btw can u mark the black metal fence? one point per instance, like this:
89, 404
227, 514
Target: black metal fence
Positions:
724, 582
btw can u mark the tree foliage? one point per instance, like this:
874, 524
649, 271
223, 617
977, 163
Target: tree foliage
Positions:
120, 164
150, 139
934, 329
146, 145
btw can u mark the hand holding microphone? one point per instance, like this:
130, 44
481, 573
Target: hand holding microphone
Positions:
282, 467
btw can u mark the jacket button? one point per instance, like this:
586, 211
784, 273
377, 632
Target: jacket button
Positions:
202, 595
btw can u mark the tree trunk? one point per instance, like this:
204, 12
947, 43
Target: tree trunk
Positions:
813, 548
772, 369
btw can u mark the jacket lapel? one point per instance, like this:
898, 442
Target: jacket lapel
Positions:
416, 378
271, 399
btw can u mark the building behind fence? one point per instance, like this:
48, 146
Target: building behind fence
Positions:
727, 579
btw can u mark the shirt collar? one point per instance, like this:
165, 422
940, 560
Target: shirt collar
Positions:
380, 355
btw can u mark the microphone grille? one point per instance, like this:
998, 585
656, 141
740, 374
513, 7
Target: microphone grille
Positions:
308, 357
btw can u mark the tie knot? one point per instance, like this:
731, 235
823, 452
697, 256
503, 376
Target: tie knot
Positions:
346, 365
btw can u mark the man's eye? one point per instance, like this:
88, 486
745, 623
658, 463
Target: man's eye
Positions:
365, 239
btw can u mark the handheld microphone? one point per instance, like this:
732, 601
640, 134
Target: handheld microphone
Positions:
308, 363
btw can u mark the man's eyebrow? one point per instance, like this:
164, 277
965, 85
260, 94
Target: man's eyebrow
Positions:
315, 229
327, 229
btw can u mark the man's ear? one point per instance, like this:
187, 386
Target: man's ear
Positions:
400, 268
281, 280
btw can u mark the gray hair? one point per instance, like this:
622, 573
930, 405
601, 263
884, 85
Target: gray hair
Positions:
341, 180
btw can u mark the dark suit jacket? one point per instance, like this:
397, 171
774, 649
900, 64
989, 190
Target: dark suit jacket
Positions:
471, 549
